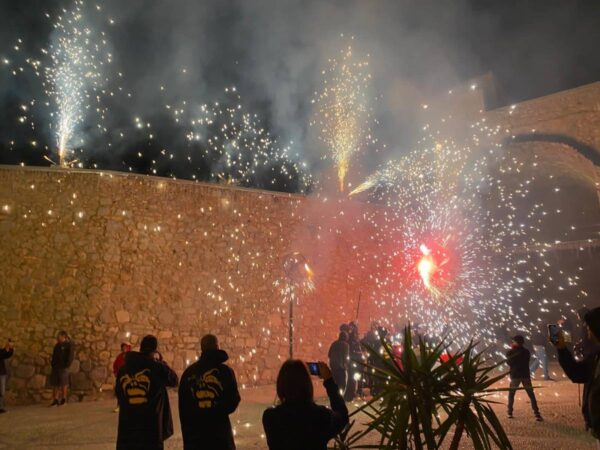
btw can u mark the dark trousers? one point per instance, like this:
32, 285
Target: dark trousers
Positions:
339, 376
514, 384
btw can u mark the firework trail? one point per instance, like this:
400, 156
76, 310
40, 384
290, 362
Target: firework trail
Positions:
74, 78
343, 114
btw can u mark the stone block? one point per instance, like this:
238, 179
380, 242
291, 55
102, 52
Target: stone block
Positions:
165, 334
122, 316
37, 382
25, 371
99, 374
80, 381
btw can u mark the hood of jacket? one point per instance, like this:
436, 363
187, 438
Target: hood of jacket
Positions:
214, 357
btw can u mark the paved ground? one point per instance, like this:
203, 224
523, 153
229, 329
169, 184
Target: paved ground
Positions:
92, 426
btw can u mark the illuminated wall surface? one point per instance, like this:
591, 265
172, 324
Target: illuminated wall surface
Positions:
111, 257
104, 255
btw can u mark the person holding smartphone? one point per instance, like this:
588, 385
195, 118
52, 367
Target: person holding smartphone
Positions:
586, 371
298, 423
5, 354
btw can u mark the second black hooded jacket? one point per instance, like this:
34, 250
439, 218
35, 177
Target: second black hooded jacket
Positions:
208, 393
145, 419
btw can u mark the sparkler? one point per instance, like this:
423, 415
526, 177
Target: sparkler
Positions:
343, 114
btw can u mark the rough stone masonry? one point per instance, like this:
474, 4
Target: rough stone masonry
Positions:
111, 257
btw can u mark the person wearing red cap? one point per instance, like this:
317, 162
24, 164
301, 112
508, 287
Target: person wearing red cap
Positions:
120, 362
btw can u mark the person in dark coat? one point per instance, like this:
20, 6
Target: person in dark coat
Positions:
62, 358
208, 394
5, 354
339, 354
586, 371
517, 359
298, 423
145, 420
355, 368
372, 341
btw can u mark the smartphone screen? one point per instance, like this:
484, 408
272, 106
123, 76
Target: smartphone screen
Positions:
553, 332
313, 368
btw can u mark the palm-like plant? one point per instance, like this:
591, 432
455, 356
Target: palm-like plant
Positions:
423, 396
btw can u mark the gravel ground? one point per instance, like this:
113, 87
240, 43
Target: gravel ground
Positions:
92, 425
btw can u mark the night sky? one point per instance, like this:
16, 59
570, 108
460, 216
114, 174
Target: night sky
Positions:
273, 52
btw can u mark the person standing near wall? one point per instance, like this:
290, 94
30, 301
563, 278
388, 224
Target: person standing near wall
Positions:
339, 355
5, 354
145, 420
62, 358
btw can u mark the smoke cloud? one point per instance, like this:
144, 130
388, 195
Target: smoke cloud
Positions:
273, 51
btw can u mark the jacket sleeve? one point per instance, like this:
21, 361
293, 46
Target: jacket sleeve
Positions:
274, 434
595, 400
510, 360
184, 405
170, 377
70, 355
115, 370
231, 395
338, 417
578, 372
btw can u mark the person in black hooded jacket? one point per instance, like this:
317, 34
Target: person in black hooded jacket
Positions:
298, 423
145, 420
208, 393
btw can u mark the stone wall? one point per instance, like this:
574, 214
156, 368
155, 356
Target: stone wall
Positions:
111, 257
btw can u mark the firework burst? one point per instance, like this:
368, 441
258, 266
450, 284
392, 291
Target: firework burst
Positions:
237, 146
461, 268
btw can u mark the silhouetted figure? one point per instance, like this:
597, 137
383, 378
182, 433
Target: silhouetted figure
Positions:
586, 372
145, 420
355, 368
62, 358
298, 423
208, 393
339, 358
372, 341
585, 347
517, 359
5, 354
